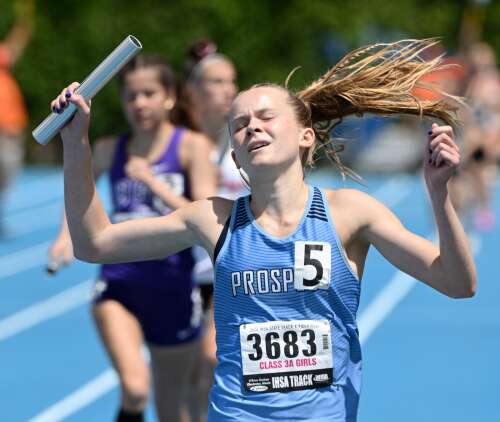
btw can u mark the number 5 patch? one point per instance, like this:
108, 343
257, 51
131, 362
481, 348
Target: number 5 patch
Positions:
313, 265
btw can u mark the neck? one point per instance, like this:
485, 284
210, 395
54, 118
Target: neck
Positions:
146, 140
283, 198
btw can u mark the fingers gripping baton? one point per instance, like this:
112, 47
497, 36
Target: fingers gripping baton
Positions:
112, 64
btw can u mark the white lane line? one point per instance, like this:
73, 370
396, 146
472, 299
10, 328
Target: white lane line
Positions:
45, 310
38, 217
383, 304
33, 193
85, 395
37, 182
107, 380
390, 296
391, 193
33, 219
24, 259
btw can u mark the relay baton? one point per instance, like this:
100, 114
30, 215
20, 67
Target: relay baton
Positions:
129, 47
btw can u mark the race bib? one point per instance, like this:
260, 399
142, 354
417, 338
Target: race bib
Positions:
286, 355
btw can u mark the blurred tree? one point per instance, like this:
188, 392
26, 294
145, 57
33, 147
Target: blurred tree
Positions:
266, 38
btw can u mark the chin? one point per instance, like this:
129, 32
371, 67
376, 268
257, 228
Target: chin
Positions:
259, 164
270, 164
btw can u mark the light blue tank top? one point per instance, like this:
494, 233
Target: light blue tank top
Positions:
285, 313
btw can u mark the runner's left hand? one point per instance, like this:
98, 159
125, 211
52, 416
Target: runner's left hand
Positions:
442, 157
139, 169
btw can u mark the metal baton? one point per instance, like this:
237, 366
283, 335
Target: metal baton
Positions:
92, 84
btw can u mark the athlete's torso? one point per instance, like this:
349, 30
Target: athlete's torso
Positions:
132, 199
285, 315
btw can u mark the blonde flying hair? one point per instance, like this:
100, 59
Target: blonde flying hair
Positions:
378, 79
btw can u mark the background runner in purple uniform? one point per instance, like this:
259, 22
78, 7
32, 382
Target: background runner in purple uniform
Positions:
152, 171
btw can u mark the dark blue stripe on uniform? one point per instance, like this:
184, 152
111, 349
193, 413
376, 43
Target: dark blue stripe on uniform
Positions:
241, 218
317, 208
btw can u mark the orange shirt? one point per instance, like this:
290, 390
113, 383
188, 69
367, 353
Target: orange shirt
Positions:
13, 113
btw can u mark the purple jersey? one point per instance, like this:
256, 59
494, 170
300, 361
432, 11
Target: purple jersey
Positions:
133, 199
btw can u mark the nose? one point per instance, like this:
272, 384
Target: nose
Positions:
253, 127
139, 101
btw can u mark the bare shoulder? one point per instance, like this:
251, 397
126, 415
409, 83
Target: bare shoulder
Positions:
360, 215
348, 198
213, 209
194, 147
196, 140
354, 207
207, 217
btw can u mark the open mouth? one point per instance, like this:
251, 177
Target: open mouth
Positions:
257, 145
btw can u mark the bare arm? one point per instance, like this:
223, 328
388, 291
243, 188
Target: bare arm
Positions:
16, 41
448, 268
61, 250
95, 239
19, 36
202, 171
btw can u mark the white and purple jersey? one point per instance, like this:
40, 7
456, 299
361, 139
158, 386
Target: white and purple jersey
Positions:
160, 293
132, 199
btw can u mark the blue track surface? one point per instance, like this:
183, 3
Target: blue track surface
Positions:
429, 359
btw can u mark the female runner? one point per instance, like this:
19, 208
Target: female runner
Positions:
289, 258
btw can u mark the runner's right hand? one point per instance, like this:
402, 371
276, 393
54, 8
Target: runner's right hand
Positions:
77, 128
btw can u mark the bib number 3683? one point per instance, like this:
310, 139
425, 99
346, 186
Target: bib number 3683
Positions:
313, 265
286, 355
